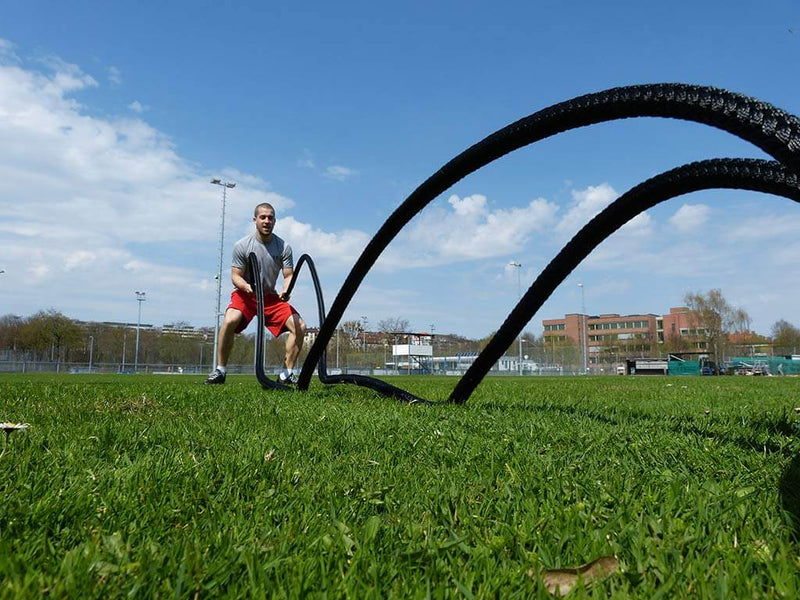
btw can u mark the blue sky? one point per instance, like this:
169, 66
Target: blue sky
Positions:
115, 116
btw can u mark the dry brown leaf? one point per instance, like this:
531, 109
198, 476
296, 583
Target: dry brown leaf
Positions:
559, 582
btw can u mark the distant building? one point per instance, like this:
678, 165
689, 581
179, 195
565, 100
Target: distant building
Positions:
607, 338
681, 324
613, 338
115, 324
187, 331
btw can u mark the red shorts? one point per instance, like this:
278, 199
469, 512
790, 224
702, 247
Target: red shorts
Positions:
276, 312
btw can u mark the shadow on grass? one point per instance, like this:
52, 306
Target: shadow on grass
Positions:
700, 425
789, 489
789, 483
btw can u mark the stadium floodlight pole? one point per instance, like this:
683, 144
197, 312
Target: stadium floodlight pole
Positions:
226, 185
433, 352
518, 267
364, 319
124, 342
140, 297
584, 330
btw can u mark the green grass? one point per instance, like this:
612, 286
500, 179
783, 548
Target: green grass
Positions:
160, 487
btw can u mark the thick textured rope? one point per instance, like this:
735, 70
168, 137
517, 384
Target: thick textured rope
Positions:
756, 175
771, 129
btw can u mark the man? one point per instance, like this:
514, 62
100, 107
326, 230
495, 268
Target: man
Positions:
274, 256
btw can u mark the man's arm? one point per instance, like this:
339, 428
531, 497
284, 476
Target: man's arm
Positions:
239, 282
288, 274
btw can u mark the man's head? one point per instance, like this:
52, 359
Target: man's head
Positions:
264, 218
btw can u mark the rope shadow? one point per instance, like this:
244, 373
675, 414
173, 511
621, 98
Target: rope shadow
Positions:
789, 491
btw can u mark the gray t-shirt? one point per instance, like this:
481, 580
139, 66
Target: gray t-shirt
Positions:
273, 257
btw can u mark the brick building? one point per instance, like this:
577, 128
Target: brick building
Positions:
605, 339
611, 338
681, 324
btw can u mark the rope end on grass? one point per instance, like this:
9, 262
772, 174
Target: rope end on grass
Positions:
559, 582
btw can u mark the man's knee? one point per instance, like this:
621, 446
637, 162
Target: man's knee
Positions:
231, 320
296, 326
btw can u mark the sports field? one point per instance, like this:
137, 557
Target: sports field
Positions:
148, 486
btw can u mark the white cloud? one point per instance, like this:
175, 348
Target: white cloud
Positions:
7, 53
340, 248
66, 77
470, 230
766, 226
92, 206
114, 76
690, 216
78, 259
470, 206
339, 173
586, 204
138, 107
39, 272
467, 231
639, 226
307, 161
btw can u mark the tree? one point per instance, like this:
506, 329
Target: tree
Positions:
674, 344
716, 318
10, 326
393, 326
785, 337
352, 331
50, 331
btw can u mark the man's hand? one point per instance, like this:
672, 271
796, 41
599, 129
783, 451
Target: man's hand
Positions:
283, 297
248, 289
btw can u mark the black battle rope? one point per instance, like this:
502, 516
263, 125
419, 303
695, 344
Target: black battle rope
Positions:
771, 129
258, 285
755, 175
380, 386
749, 174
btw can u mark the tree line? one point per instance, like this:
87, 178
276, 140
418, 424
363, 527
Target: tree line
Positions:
49, 336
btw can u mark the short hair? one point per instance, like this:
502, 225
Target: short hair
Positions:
266, 205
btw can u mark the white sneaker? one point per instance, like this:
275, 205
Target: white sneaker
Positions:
290, 380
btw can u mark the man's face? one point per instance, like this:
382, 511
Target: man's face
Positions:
265, 221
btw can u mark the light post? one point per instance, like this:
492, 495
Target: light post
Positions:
124, 342
226, 185
365, 320
337, 346
91, 351
584, 342
433, 353
140, 297
518, 267
203, 341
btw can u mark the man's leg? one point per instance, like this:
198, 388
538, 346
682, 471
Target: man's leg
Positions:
294, 341
227, 334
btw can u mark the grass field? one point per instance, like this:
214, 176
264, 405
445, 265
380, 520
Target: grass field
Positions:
142, 486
